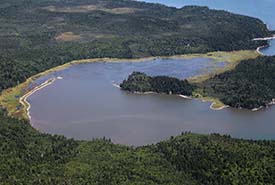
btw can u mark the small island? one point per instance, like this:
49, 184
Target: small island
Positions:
142, 83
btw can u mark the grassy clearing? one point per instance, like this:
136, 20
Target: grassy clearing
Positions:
216, 103
90, 8
9, 98
232, 58
68, 36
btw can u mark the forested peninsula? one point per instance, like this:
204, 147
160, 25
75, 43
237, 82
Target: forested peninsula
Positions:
36, 35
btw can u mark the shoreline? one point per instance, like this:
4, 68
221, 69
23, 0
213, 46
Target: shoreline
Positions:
264, 38
212, 107
264, 46
262, 107
24, 99
202, 99
116, 85
185, 97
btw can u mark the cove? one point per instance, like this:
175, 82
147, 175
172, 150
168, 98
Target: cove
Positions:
87, 105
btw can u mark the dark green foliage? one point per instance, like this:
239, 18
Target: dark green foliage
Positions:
250, 85
101, 162
169, 85
31, 158
137, 82
29, 29
28, 157
221, 160
140, 82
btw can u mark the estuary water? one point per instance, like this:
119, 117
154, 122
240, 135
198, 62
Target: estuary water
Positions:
86, 105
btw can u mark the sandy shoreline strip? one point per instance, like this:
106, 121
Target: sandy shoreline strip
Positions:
265, 38
185, 97
261, 47
24, 99
116, 85
219, 108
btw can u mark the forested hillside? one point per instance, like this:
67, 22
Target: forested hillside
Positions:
36, 35
250, 85
221, 160
29, 157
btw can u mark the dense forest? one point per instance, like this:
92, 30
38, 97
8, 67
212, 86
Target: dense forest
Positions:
250, 85
36, 35
29, 157
140, 82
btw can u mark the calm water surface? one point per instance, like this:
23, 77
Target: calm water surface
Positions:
86, 105
269, 51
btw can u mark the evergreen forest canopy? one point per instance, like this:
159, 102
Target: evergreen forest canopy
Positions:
140, 82
250, 85
36, 35
29, 157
